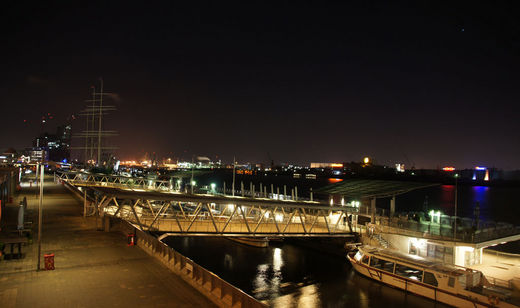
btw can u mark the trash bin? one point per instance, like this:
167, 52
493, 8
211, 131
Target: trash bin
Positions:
49, 261
131, 239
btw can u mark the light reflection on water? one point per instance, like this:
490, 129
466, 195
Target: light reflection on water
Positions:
291, 276
267, 282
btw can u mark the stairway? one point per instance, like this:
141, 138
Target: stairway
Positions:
384, 243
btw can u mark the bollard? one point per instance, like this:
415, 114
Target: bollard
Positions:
49, 261
131, 239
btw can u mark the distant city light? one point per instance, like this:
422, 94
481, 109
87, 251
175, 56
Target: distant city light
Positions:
366, 160
448, 169
336, 165
480, 168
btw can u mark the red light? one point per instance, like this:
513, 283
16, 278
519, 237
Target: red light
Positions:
335, 180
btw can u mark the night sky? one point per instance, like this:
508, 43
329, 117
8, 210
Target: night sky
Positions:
416, 82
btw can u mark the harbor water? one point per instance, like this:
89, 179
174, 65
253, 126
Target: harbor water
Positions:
289, 275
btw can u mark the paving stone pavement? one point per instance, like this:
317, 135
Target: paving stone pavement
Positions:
93, 268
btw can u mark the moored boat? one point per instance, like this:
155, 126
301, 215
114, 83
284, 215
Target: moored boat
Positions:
261, 242
449, 284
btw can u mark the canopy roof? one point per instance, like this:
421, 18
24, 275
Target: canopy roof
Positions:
372, 188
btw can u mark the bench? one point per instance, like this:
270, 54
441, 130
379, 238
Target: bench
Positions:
14, 241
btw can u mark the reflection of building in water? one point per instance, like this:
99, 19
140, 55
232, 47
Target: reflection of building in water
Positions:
261, 283
228, 261
277, 259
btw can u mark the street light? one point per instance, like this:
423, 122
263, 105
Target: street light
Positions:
40, 216
192, 181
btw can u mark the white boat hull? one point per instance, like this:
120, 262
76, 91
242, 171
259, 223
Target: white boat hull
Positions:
418, 288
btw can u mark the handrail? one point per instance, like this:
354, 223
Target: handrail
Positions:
215, 288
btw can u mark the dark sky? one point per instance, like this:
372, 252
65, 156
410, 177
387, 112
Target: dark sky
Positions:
415, 82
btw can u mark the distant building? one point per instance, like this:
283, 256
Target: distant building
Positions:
55, 147
8, 157
326, 165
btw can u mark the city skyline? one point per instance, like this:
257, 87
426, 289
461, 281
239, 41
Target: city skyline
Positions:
429, 85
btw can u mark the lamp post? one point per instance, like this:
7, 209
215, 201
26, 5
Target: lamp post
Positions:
192, 175
40, 216
233, 185
456, 193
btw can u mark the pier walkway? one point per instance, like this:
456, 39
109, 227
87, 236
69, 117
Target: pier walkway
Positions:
93, 268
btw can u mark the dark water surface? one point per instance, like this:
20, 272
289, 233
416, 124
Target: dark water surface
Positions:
288, 275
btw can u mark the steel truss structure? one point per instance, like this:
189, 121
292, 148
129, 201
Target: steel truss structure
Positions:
114, 181
231, 219
154, 206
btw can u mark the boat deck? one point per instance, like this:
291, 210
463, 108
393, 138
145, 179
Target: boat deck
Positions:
502, 267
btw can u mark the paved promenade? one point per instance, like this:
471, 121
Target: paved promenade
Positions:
93, 268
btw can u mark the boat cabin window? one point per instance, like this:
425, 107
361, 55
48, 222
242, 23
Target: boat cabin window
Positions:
451, 282
376, 263
430, 279
408, 272
388, 267
382, 264
365, 259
